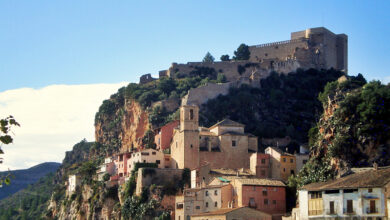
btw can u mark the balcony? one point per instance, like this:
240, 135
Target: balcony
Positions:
331, 212
349, 212
316, 212
372, 210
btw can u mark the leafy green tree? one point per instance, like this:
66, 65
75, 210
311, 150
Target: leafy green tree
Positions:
242, 53
225, 58
208, 58
166, 85
5, 138
221, 78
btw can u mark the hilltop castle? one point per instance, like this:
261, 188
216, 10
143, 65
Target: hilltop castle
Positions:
316, 48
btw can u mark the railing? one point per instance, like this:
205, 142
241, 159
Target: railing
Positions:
331, 212
371, 211
349, 212
281, 42
316, 212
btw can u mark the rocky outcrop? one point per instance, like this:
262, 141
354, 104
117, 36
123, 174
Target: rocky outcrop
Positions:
123, 130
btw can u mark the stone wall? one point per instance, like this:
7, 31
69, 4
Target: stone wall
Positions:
149, 176
146, 78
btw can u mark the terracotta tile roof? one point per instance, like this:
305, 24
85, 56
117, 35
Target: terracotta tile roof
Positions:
366, 179
230, 172
225, 211
207, 133
260, 182
228, 122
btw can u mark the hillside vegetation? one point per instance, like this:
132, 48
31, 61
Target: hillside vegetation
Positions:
28, 203
22, 178
353, 131
285, 105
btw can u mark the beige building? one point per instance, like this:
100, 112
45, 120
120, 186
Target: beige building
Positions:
201, 200
242, 213
223, 145
146, 156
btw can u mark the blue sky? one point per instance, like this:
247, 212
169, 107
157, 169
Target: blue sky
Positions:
87, 42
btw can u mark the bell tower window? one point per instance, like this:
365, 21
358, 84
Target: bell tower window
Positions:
191, 114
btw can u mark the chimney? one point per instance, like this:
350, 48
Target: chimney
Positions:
375, 166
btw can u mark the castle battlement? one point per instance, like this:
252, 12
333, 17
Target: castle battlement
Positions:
281, 42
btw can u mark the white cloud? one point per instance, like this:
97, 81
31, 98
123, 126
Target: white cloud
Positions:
52, 120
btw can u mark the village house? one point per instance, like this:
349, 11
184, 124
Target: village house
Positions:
242, 213
266, 195
108, 167
300, 160
224, 144
282, 164
204, 175
200, 200
260, 165
164, 134
363, 195
121, 164
146, 156
73, 182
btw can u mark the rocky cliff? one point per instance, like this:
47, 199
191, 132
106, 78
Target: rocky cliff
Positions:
124, 129
353, 131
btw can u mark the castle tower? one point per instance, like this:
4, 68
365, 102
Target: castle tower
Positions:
185, 143
189, 118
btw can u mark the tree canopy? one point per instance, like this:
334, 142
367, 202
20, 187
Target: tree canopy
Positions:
242, 53
225, 58
208, 58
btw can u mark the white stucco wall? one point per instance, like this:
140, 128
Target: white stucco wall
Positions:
303, 198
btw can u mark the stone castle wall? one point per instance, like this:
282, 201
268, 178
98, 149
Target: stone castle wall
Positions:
148, 176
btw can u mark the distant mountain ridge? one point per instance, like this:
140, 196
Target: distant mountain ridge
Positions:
22, 178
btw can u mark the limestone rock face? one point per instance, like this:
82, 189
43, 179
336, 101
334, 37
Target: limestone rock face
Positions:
123, 130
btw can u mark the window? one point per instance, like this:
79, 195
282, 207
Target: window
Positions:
197, 207
265, 193
216, 204
207, 204
188, 217
216, 192
274, 202
370, 190
191, 114
179, 205
284, 169
263, 161
233, 143
331, 207
292, 172
291, 160
349, 206
265, 201
145, 153
284, 159
263, 173
153, 153
207, 193
191, 146
157, 161
315, 195
254, 188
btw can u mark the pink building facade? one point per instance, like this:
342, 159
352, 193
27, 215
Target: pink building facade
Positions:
163, 136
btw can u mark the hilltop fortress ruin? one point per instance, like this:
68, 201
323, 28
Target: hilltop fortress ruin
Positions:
316, 48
